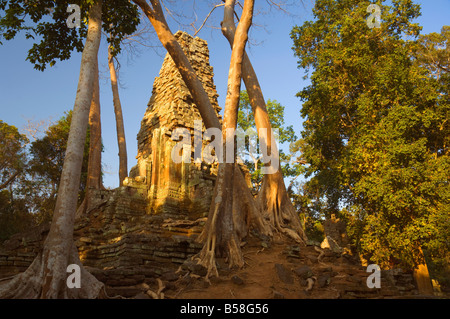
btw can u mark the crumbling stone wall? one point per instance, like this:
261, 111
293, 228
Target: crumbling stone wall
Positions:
335, 234
118, 241
175, 188
17, 253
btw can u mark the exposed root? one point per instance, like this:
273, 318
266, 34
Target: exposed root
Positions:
233, 212
152, 294
321, 253
46, 278
180, 269
207, 255
161, 286
248, 209
159, 293
310, 283
278, 209
87, 205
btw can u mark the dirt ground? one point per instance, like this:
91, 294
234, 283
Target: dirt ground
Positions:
282, 271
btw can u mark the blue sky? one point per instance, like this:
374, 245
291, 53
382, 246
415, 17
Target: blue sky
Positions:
29, 94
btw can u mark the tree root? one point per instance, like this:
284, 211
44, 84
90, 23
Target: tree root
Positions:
278, 209
159, 293
321, 253
46, 278
87, 206
233, 212
81, 211
310, 283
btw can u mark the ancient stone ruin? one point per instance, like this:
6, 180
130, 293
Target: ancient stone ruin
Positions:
170, 187
147, 229
335, 235
175, 188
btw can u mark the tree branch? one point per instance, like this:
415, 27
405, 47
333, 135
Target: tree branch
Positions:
204, 21
9, 180
168, 40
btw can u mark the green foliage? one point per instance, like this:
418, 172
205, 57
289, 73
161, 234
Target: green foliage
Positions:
13, 213
14, 217
286, 134
311, 208
12, 155
57, 40
433, 52
45, 167
30, 197
376, 129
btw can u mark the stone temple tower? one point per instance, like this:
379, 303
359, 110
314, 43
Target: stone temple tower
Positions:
175, 188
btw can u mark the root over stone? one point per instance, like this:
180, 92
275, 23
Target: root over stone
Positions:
46, 278
278, 209
233, 213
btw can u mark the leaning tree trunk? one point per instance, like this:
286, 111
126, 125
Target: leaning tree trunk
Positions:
46, 277
168, 40
123, 165
273, 196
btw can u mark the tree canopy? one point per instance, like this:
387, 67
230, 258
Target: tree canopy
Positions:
44, 21
12, 155
14, 216
46, 159
29, 198
376, 128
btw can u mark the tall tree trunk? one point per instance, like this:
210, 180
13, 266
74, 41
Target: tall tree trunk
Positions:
123, 161
46, 277
94, 170
273, 196
94, 178
233, 209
